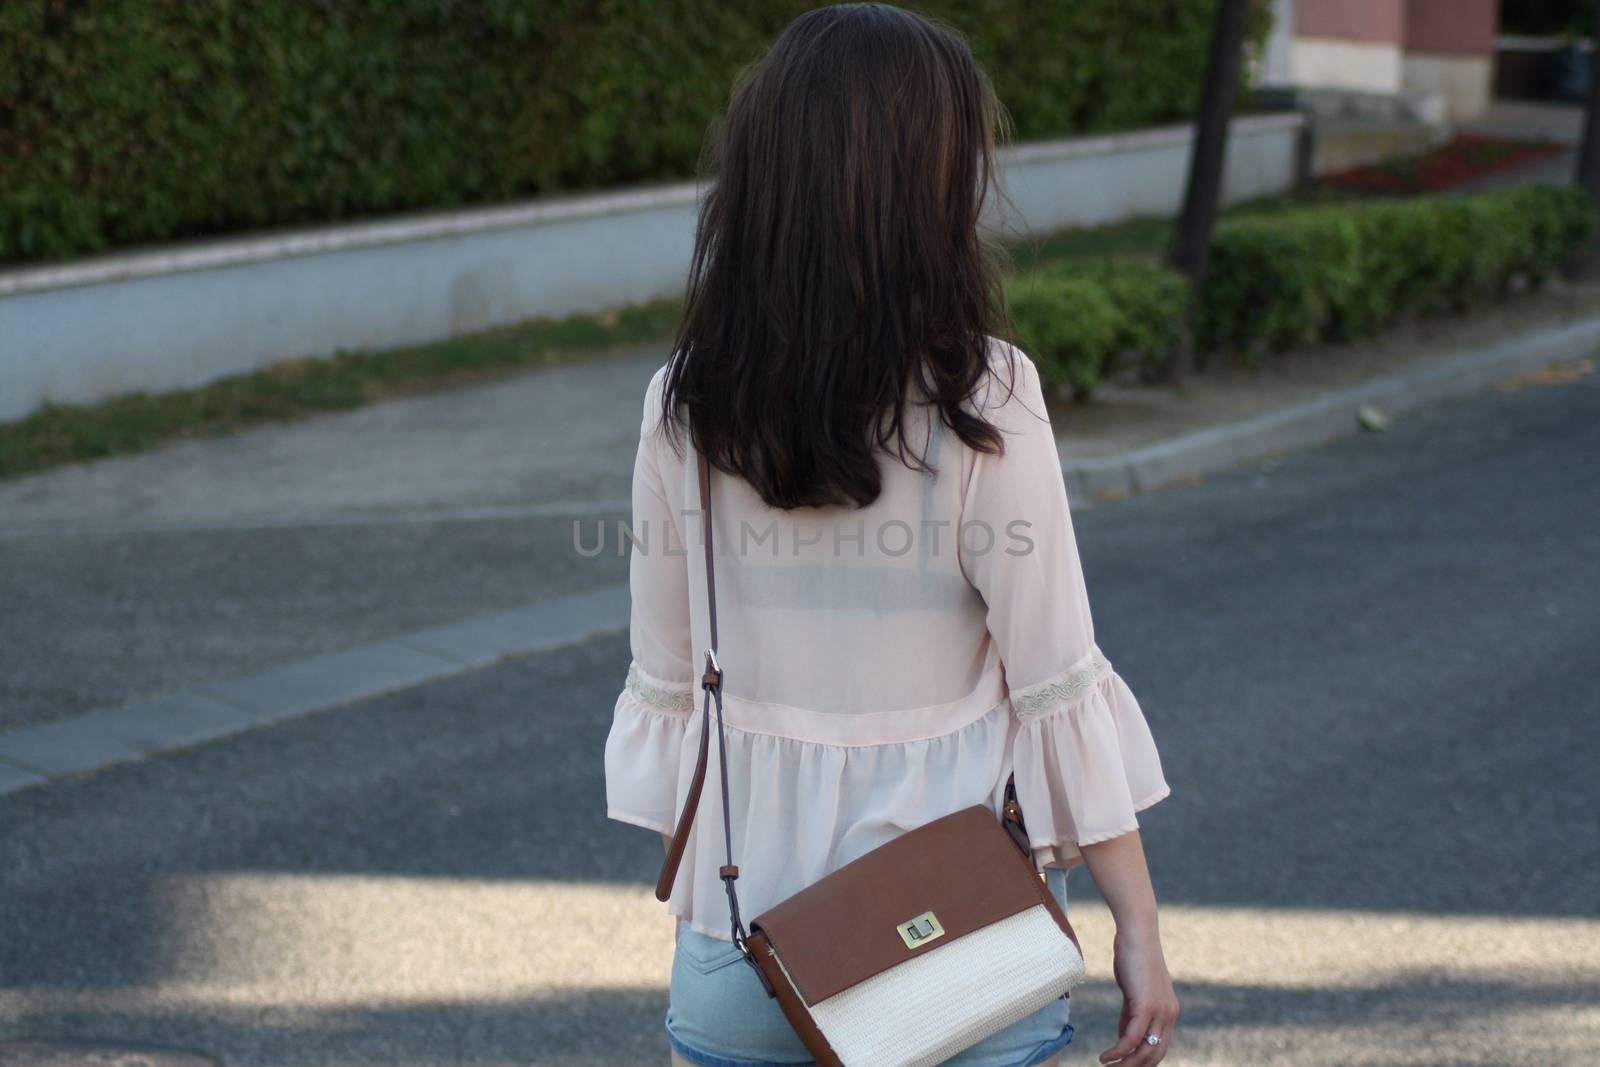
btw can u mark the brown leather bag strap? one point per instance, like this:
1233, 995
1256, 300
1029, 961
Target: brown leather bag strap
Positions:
680, 837
711, 683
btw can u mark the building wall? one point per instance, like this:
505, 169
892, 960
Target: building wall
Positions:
1277, 55
1449, 50
1440, 47
1370, 66
1464, 82
1357, 20
1349, 44
1451, 27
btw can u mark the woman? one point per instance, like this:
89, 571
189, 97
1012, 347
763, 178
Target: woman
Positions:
902, 615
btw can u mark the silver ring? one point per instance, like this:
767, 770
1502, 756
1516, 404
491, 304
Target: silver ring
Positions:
1152, 1039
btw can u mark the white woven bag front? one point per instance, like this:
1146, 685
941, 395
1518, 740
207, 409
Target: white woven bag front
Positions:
922, 1012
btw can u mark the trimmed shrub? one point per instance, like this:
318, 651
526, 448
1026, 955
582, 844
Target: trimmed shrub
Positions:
1274, 282
1085, 321
1151, 301
1068, 326
135, 122
1325, 273
1338, 272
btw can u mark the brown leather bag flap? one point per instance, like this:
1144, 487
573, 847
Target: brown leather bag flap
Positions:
844, 928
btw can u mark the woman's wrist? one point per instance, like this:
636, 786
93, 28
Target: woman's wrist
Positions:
1140, 931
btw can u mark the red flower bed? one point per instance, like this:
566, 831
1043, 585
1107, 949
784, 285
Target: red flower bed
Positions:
1464, 157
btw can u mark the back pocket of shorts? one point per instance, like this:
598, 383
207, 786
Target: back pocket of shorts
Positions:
706, 954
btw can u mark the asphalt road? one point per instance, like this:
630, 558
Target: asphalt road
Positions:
1370, 668
138, 575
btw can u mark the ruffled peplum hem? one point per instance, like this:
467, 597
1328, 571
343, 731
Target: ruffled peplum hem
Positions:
801, 808
1084, 764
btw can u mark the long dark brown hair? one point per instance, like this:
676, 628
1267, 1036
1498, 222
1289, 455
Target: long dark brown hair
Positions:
838, 255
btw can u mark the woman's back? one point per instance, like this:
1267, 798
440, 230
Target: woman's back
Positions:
883, 665
902, 618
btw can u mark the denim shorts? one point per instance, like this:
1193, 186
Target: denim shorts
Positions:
719, 1015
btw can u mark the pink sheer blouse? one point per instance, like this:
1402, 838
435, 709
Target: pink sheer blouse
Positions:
882, 666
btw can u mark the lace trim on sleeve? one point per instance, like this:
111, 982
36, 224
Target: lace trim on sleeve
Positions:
1032, 701
658, 694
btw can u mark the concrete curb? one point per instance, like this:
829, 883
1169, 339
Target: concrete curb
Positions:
59, 750
1324, 419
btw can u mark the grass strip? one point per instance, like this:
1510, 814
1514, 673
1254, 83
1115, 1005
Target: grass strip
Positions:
65, 433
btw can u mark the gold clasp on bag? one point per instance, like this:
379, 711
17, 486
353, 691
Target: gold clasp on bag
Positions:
920, 930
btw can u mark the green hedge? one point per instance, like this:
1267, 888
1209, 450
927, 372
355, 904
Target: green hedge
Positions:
1325, 273
127, 121
1085, 321
1340, 272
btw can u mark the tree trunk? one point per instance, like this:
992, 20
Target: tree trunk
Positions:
1192, 245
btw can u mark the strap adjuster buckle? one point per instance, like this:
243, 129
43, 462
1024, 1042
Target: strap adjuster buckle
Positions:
713, 676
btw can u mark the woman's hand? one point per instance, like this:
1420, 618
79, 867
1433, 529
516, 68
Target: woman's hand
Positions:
1149, 1003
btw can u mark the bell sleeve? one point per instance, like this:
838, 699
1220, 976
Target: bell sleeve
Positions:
1083, 755
652, 710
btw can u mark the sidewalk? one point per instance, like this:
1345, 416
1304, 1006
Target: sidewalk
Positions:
214, 585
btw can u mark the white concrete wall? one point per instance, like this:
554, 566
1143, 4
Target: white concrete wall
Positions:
180, 316
1096, 180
